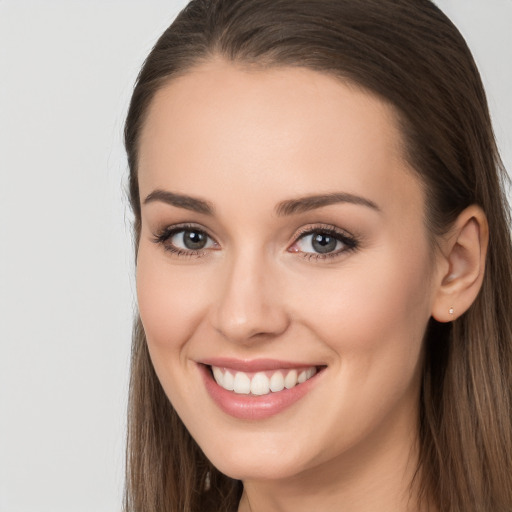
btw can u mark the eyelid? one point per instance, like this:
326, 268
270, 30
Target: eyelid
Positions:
351, 242
328, 228
163, 235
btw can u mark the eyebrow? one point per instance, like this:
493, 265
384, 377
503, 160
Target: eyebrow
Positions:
284, 208
304, 204
180, 201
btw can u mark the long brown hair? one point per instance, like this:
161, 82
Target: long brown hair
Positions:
409, 54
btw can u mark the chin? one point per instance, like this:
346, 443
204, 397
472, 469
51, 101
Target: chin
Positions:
244, 461
255, 469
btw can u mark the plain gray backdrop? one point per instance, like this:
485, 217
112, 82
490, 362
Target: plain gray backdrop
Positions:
66, 270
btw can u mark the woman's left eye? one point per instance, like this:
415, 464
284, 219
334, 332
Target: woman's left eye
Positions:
322, 243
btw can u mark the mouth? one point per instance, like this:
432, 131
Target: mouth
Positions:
262, 382
260, 389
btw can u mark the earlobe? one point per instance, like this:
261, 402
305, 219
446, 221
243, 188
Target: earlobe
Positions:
463, 254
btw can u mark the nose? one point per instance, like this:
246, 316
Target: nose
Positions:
250, 304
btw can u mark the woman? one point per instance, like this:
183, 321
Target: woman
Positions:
323, 265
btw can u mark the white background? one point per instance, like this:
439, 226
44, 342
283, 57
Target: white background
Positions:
66, 270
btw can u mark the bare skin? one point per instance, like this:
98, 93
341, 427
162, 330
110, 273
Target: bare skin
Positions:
346, 285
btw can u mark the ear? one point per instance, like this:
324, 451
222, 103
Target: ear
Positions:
461, 265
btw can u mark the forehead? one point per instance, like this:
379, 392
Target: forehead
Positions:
279, 131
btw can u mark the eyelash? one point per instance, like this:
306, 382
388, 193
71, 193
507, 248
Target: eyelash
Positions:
349, 242
168, 232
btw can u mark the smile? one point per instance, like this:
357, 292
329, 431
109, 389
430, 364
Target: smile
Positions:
258, 389
263, 382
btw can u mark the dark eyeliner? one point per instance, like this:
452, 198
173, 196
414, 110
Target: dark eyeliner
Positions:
350, 242
162, 236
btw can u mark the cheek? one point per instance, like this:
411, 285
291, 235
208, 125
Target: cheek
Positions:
373, 319
372, 309
170, 300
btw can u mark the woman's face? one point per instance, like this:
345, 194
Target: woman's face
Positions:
283, 248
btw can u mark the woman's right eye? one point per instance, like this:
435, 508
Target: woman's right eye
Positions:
185, 241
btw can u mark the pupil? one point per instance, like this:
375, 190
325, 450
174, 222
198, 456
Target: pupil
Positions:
194, 240
323, 243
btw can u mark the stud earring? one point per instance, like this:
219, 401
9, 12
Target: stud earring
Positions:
451, 310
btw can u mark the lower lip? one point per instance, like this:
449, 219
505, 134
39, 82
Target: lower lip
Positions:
251, 407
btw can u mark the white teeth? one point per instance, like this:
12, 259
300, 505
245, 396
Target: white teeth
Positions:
217, 374
260, 383
228, 382
277, 382
242, 384
291, 379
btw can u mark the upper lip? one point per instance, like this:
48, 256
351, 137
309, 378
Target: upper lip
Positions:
254, 365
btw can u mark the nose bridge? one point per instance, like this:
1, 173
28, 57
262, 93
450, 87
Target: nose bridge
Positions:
249, 304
